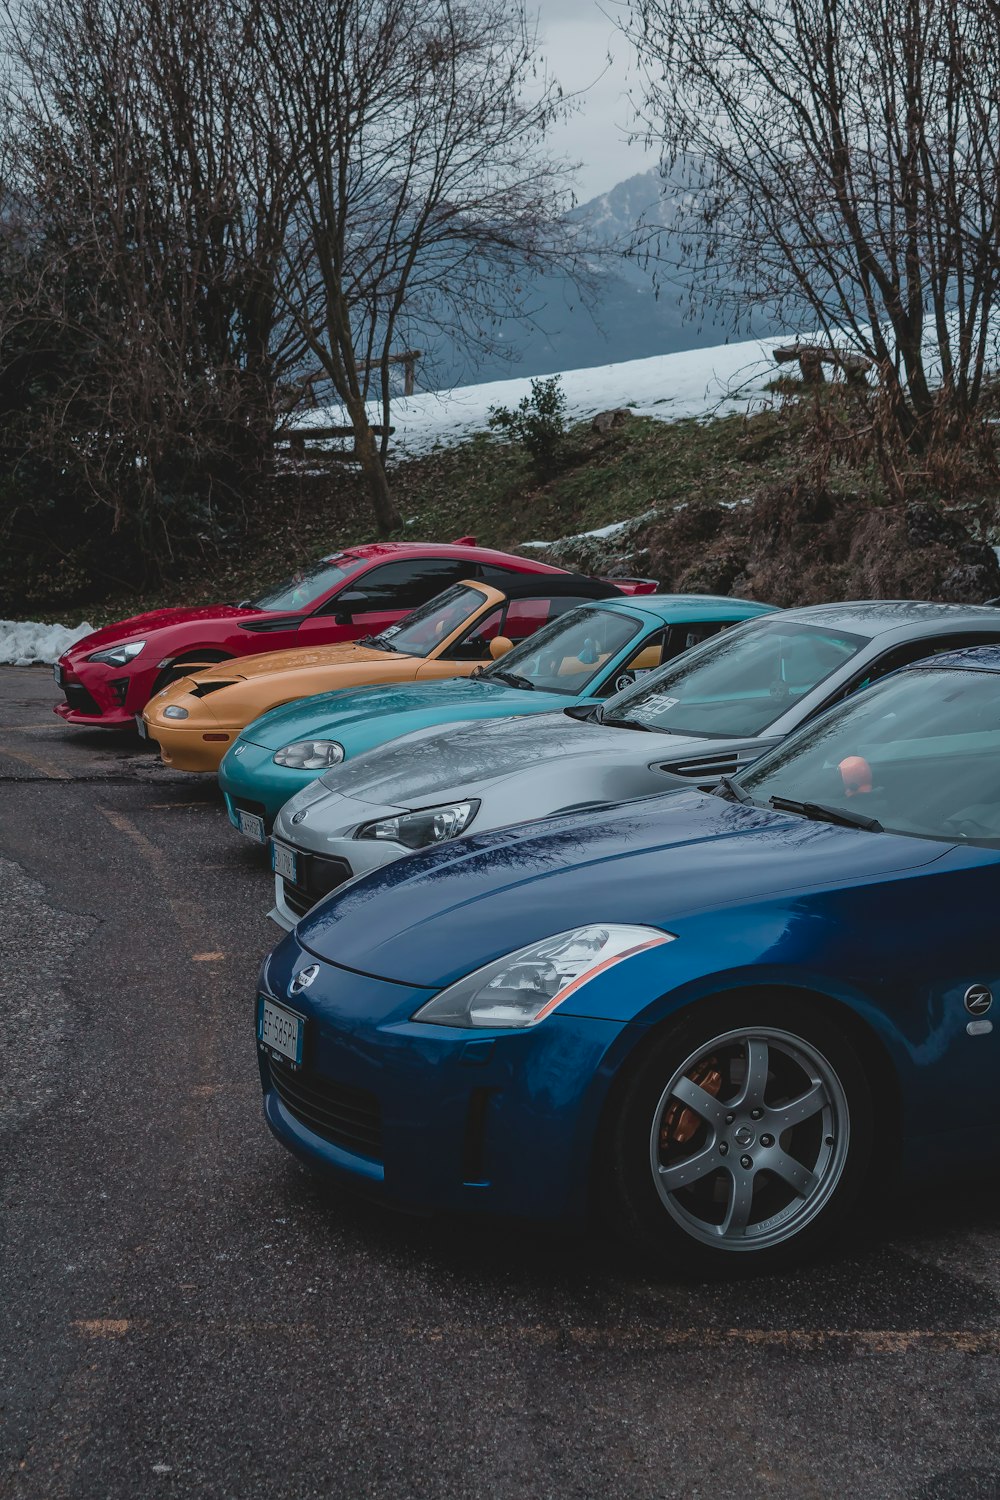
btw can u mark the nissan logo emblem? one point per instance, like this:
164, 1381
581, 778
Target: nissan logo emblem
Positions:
303, 979
978, 999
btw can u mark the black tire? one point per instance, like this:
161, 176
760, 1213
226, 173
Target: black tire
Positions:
699, 1198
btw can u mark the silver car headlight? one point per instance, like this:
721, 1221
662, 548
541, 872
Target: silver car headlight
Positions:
174, 711
309, 755
118, 656
525, 986
426, 825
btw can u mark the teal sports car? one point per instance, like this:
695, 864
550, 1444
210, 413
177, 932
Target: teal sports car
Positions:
579, 657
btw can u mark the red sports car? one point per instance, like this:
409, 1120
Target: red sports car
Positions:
108, 677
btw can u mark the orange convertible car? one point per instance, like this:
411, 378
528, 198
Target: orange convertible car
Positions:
196, 719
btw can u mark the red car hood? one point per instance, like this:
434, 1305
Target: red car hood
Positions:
155, 619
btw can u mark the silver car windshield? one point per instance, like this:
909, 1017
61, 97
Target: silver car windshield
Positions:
565, 655
738, 683
916, 753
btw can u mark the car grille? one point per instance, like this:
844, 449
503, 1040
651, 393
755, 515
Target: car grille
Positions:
344, 1116
80, 700
317, 878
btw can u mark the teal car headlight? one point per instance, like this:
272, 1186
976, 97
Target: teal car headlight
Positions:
423, 826
525, 986
310, 755
118, 656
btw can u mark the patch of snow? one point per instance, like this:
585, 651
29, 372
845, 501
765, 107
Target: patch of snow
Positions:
23, 642
697, 383
602, 532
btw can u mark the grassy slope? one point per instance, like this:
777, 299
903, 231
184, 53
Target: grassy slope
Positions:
488, 489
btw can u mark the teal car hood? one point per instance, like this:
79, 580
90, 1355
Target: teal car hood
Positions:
398, 708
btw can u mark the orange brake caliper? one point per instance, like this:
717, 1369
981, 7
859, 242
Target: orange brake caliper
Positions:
680, 1122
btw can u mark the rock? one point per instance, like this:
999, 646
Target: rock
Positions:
616, 416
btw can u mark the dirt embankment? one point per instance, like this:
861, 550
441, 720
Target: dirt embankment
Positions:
789, 547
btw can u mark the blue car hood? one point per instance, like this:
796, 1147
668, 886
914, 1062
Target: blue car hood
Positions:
432, 917
409, 705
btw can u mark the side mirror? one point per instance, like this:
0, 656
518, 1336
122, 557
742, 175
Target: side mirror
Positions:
499, 646
346, 604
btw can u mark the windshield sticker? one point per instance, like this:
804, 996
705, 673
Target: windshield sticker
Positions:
659, 703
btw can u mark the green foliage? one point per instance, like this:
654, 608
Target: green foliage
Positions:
538, 423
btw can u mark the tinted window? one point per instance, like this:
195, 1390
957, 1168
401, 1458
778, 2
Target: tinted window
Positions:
403, 585
903, 656
737, 683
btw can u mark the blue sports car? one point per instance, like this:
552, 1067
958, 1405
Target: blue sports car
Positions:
719, 1016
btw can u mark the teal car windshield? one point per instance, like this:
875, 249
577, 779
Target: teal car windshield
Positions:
432, 623
738, 683
303, 588
915, 754
567, 653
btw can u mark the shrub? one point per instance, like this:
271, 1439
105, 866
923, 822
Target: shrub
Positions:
538, 423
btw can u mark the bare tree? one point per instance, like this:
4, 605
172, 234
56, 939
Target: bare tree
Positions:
154, 208
422, 188
840, 159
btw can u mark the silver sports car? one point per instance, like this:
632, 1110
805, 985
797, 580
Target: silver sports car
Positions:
704, 715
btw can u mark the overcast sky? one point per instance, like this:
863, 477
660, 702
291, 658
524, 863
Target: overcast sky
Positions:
577, 36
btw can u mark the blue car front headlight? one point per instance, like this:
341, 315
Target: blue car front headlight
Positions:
309, 755
525, 986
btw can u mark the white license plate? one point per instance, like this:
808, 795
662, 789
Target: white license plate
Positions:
280, 1030
251, 825
284, 862
140, 727
58, 674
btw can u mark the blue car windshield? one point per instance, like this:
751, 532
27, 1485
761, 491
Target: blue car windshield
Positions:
917, 753
567, 653
738, 683
306, 587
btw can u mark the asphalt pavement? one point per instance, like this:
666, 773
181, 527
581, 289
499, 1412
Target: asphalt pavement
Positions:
184, 1311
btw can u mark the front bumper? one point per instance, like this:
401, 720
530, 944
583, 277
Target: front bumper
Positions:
251, 780
101, 697
437, 1118
190, 747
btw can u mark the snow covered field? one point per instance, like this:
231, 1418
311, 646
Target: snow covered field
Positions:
23, 642
697, 383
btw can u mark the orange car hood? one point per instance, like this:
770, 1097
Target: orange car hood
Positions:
346, 653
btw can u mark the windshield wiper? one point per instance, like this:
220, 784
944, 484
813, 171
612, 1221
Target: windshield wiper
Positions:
737, 791
819, 813
377, 643
514, 678
625, 724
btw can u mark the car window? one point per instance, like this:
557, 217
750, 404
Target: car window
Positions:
420, 631
402, 585
917, 753
738, 682
474, 645
911, 651
300, 591
570, 650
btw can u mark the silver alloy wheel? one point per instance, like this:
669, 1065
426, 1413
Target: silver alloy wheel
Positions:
767, 1139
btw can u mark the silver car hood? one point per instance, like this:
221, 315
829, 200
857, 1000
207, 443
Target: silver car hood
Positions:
409, 770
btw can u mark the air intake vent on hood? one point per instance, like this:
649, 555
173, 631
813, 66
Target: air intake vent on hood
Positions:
708, 768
